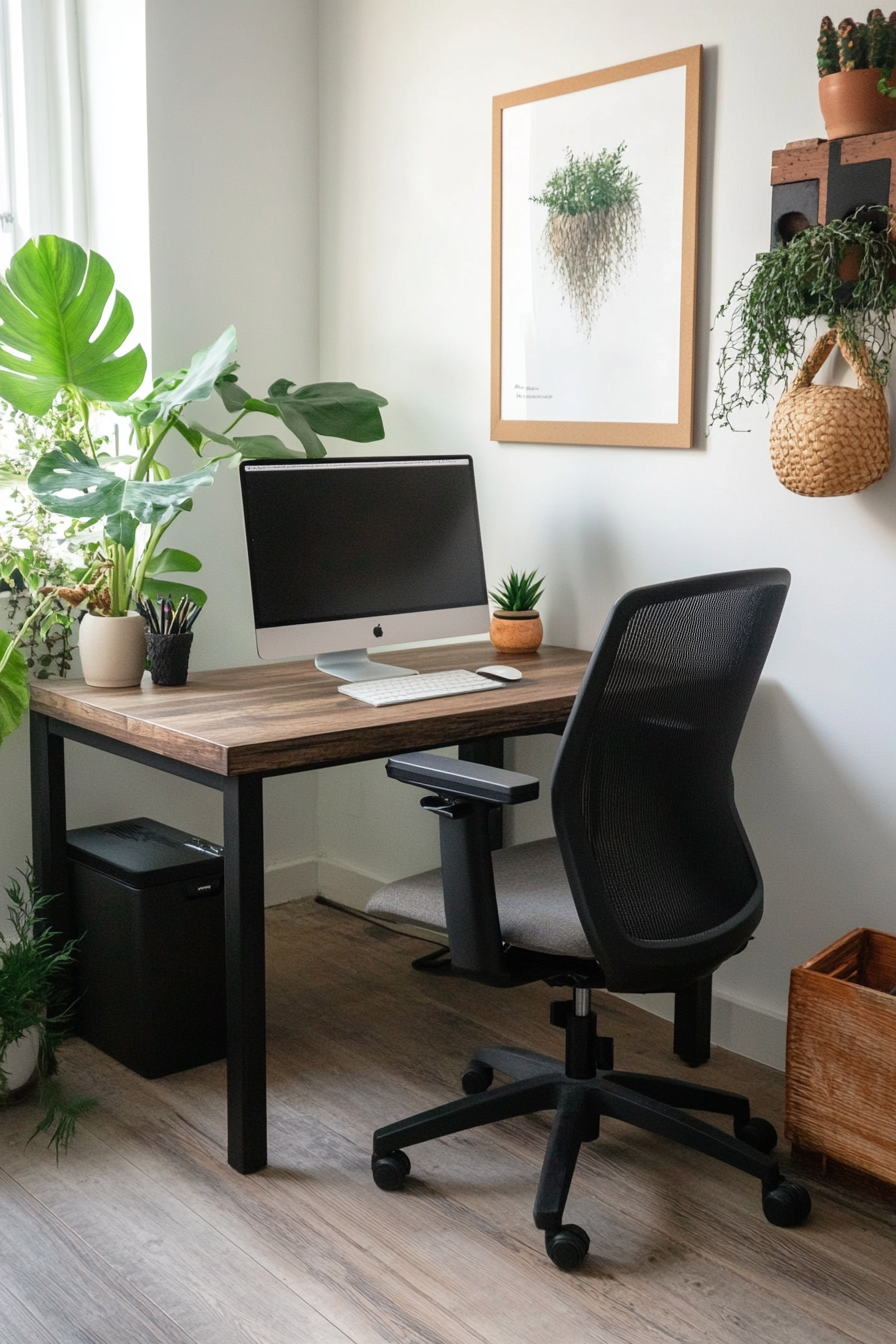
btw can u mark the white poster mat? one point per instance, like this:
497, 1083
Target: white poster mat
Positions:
627, 367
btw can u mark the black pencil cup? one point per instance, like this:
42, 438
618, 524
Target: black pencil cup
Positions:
169, 657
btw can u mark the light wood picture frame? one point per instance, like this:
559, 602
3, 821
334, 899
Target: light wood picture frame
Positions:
594, 256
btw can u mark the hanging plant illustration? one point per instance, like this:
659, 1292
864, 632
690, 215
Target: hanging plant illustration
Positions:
592, 230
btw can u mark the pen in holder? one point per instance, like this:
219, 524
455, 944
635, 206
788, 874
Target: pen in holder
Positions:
169, 634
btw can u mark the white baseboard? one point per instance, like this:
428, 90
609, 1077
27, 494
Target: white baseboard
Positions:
302, 878
290, 881
346, 886
745, 1028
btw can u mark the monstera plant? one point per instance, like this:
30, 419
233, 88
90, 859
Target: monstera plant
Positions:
63, 326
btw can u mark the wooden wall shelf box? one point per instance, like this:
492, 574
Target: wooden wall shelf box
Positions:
841, 1055
823, 180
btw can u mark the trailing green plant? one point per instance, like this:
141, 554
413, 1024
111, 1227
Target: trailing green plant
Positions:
30, 965
592, 229
773, 307
518, 592
14, 669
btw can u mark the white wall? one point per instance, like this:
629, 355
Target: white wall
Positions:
233, 129
406, 103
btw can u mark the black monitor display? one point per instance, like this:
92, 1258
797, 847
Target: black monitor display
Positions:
362, 543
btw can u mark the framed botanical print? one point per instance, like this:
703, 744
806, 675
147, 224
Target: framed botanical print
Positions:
595, 195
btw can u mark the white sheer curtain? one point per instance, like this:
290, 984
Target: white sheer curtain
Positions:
44, 176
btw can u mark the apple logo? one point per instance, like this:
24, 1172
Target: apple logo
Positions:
378, 631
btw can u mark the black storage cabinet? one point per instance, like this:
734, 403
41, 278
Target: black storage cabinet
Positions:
148, 905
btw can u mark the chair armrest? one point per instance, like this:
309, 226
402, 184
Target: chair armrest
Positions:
462, 779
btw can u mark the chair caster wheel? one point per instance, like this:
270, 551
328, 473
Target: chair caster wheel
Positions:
787, 1205
477, 1077
757, 1133
568, 1247
390, 1171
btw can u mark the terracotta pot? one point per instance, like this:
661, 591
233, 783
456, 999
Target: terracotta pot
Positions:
516, 631
113, 649
851, 104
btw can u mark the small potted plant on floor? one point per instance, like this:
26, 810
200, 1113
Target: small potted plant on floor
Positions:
516, 625
30, 963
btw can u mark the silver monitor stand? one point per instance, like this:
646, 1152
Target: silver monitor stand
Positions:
354, 665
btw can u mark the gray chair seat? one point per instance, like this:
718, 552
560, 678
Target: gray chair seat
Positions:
535, 905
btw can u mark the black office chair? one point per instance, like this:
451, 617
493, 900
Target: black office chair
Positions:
650, 885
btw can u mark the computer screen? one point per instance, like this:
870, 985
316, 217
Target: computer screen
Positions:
351, 553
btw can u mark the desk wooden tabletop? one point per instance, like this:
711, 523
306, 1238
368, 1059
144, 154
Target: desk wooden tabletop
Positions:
288, 716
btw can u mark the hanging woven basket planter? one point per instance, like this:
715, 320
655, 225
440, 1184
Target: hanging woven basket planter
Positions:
828, 441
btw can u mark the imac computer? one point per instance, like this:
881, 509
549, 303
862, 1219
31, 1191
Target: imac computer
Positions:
346, 554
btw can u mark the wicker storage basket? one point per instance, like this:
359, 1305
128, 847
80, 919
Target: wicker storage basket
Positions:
830, 440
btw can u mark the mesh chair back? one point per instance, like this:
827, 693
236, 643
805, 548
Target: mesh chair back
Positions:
663, 875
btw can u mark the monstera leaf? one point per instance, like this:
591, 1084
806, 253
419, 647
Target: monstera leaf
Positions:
68, 482
342, 410
51, 307
196, 383
13, 685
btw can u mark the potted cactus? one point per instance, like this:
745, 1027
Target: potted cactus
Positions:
855, 63
516, 625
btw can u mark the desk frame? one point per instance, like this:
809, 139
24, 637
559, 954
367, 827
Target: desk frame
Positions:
55, 705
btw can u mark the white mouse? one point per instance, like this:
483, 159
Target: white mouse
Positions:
500, 671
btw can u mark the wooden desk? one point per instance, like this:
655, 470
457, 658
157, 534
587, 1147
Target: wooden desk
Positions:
231, 729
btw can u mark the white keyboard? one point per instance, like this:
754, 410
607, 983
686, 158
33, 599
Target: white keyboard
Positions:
423, 686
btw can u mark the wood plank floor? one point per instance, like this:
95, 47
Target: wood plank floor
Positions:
142, 1233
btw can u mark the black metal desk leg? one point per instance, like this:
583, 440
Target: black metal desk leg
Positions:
244, 937
693, 1022
48, 829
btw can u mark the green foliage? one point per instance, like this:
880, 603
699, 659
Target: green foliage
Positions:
50, 309
773, 306
37, 548
51, 304
593, 182
518, 592
121, 503
828, 49
13, 685
338, 409
30, 965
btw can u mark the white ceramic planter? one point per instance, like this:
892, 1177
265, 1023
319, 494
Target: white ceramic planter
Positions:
113, 649
20, 1060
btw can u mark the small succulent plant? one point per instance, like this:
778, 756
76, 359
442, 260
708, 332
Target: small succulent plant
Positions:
857, 46
518, 592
